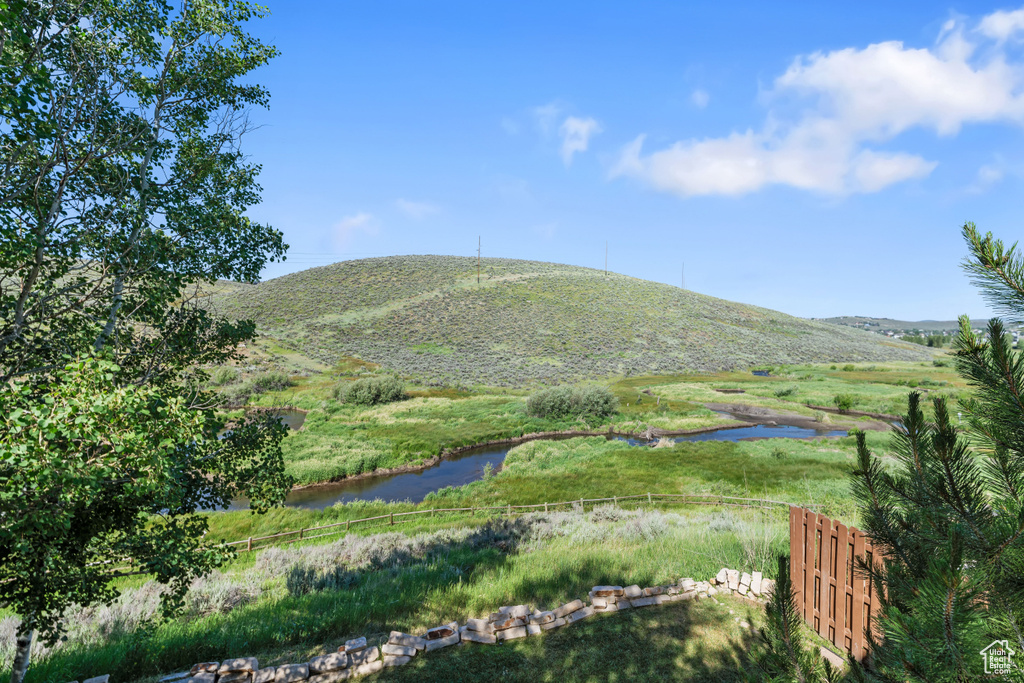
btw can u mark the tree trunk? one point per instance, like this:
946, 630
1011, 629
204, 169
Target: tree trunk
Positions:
23, 650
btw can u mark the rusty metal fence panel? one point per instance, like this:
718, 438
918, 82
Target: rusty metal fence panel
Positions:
835, 598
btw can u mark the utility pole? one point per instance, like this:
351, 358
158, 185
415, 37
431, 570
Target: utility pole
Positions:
606, 258
478, 259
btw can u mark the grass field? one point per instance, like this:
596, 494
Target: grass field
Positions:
286, 604
340, 440
290, 603
527, 322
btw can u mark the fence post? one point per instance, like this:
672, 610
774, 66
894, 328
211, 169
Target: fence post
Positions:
347, 522
649, 500
248, 546
392, 519
615, 501
300, 533
545, 507
581, 505
510, 509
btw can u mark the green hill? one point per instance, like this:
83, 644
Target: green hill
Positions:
525, 321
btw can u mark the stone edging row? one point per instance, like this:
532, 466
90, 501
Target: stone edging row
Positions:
354, 658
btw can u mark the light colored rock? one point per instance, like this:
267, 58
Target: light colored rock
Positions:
391, 650
396, 661
477, 636
516, 611
579, 614
265, 675
479, 625
204, 667
438, 643
599, 603
732, 579
399, 638
368, 668
557, 623
511, 622
745, 579
653, 590
512, 633
662, 599
234, 677
688, 595
687, 584
325, 663
623, 603
238, 664
170, 678
360, 657
722, 576
755, 582
633, 591
292, 672
542, 618
442, 631
355, 644
567, 609
607, 591
643, 602
203, 677
532, 629
674, 590
613, 607
712, 590
767, 587
833, 659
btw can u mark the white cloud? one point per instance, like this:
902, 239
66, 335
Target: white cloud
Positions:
847, 102
1001, 25
987, 176
416, 210
349, 226
700, 98
546, 116
576, 134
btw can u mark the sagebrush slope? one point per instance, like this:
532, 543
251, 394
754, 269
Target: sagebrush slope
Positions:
426, 316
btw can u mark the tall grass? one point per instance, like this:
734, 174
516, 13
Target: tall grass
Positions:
359, 585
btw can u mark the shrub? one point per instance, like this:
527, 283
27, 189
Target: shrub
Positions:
844, 401
559, 402
371, 391
787, 391
224, 375
274, 380
849, 367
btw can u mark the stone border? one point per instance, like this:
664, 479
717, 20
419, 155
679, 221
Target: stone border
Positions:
355, 659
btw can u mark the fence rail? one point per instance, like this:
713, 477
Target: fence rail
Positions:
310, 533
833, 595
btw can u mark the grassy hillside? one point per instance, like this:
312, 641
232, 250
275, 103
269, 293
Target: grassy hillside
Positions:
426, 316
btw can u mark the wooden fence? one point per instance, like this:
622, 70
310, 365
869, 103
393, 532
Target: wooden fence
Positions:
834, 596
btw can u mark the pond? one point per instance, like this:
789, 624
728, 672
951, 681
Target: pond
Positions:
469, 466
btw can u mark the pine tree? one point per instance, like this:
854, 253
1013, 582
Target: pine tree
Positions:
949, 518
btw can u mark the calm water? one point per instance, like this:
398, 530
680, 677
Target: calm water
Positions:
469, 466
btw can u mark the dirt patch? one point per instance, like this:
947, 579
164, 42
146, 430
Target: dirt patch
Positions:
759, 415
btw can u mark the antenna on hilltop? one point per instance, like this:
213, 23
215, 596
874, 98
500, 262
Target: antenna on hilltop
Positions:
478, 259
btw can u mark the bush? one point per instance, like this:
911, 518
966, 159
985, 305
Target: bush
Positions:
559, 402
371, 391
844, 402
224, 375
849, 367
274, 380
788, 391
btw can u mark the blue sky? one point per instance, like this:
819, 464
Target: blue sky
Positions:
815, 158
